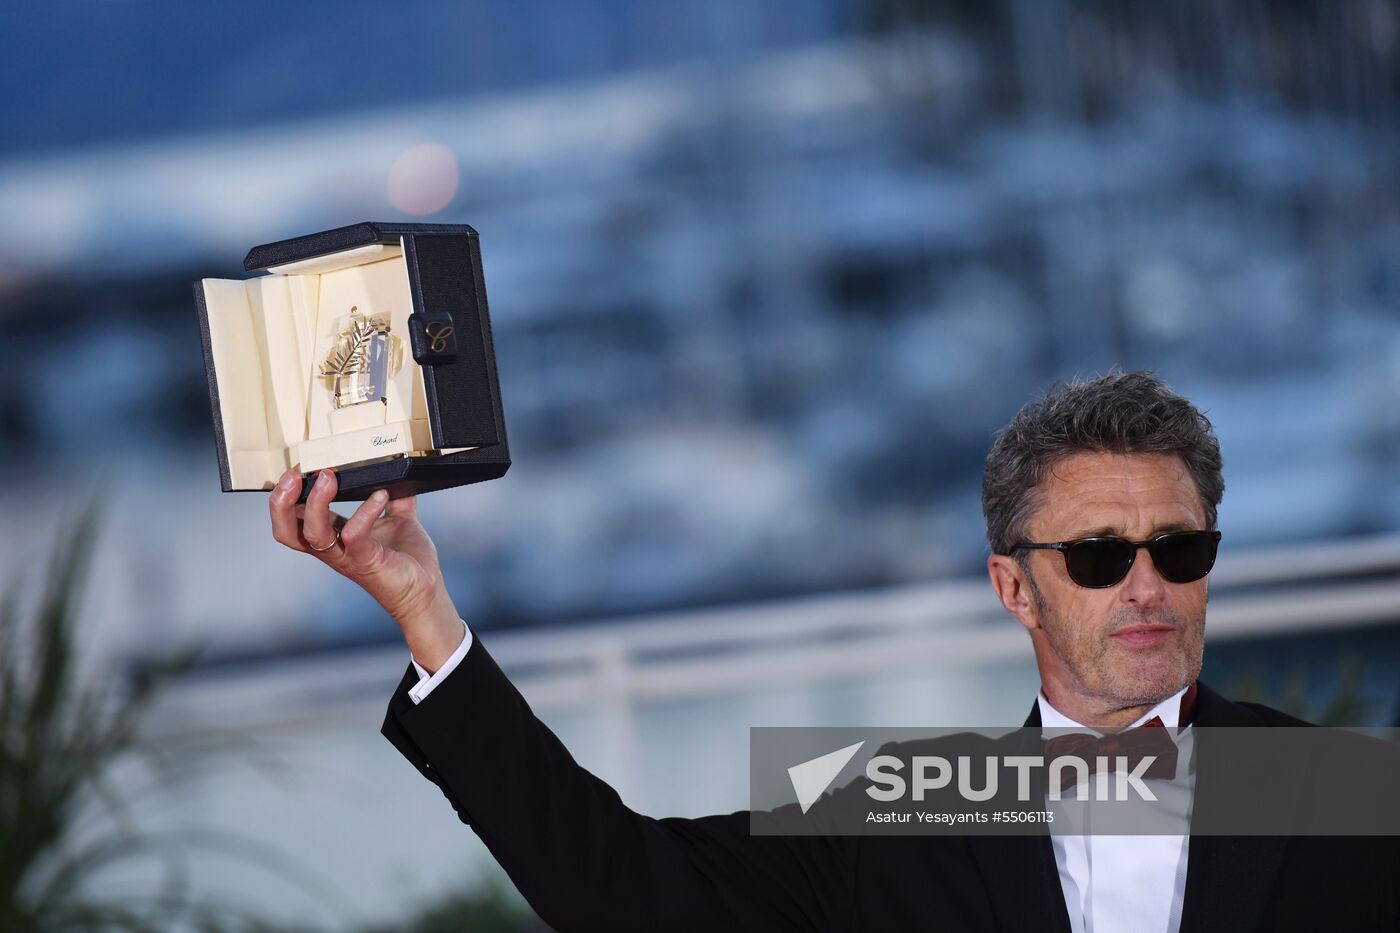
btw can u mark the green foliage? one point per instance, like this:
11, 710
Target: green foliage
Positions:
1347, 705
60, 738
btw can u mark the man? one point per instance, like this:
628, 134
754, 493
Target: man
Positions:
1100, 502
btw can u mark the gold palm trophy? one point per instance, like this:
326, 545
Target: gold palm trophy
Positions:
360, 361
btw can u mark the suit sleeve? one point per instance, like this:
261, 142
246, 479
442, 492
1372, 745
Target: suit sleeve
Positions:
426, 681
577, 853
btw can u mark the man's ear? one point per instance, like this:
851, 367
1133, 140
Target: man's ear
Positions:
1013, 589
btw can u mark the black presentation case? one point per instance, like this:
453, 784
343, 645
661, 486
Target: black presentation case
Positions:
460, 389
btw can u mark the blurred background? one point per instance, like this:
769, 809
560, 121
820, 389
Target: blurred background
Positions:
765, 278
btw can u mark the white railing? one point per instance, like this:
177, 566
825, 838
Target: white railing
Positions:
609, 666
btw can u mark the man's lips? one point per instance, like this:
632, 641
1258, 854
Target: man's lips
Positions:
1143, 635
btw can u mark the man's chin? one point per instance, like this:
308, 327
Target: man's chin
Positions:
1148, 680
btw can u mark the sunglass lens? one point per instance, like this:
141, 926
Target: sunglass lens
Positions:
1098, 562
1184, 558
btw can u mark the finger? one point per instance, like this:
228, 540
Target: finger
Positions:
337, 520
285, 512
317, 527
404, 507
361, 549
299, 510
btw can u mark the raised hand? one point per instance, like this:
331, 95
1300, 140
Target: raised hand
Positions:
384, 549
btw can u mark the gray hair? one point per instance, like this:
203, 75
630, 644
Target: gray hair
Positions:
1117, 413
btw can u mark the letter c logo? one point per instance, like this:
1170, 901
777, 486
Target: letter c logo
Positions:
438, 333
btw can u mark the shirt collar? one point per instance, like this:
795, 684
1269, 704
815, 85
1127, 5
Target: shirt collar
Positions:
1169, 709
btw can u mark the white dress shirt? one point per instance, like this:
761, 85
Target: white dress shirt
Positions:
426, 681
1111, 884
1133, 884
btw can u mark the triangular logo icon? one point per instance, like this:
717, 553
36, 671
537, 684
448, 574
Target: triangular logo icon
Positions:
811, 778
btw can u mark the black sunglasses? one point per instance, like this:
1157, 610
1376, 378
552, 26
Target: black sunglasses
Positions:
1097, 563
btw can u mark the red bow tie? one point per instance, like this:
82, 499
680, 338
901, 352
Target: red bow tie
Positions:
1150, 738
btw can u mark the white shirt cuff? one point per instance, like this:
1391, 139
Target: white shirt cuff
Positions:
426, 681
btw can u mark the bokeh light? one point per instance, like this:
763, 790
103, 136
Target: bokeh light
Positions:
423, 180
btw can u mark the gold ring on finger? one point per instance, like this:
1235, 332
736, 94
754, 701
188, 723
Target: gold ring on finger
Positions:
334, 542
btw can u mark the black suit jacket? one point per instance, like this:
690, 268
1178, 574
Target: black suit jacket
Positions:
587, 862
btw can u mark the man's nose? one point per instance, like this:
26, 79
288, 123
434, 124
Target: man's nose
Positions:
1143, 585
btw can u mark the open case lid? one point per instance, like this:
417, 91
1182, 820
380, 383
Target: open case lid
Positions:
445, 280
449, 335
